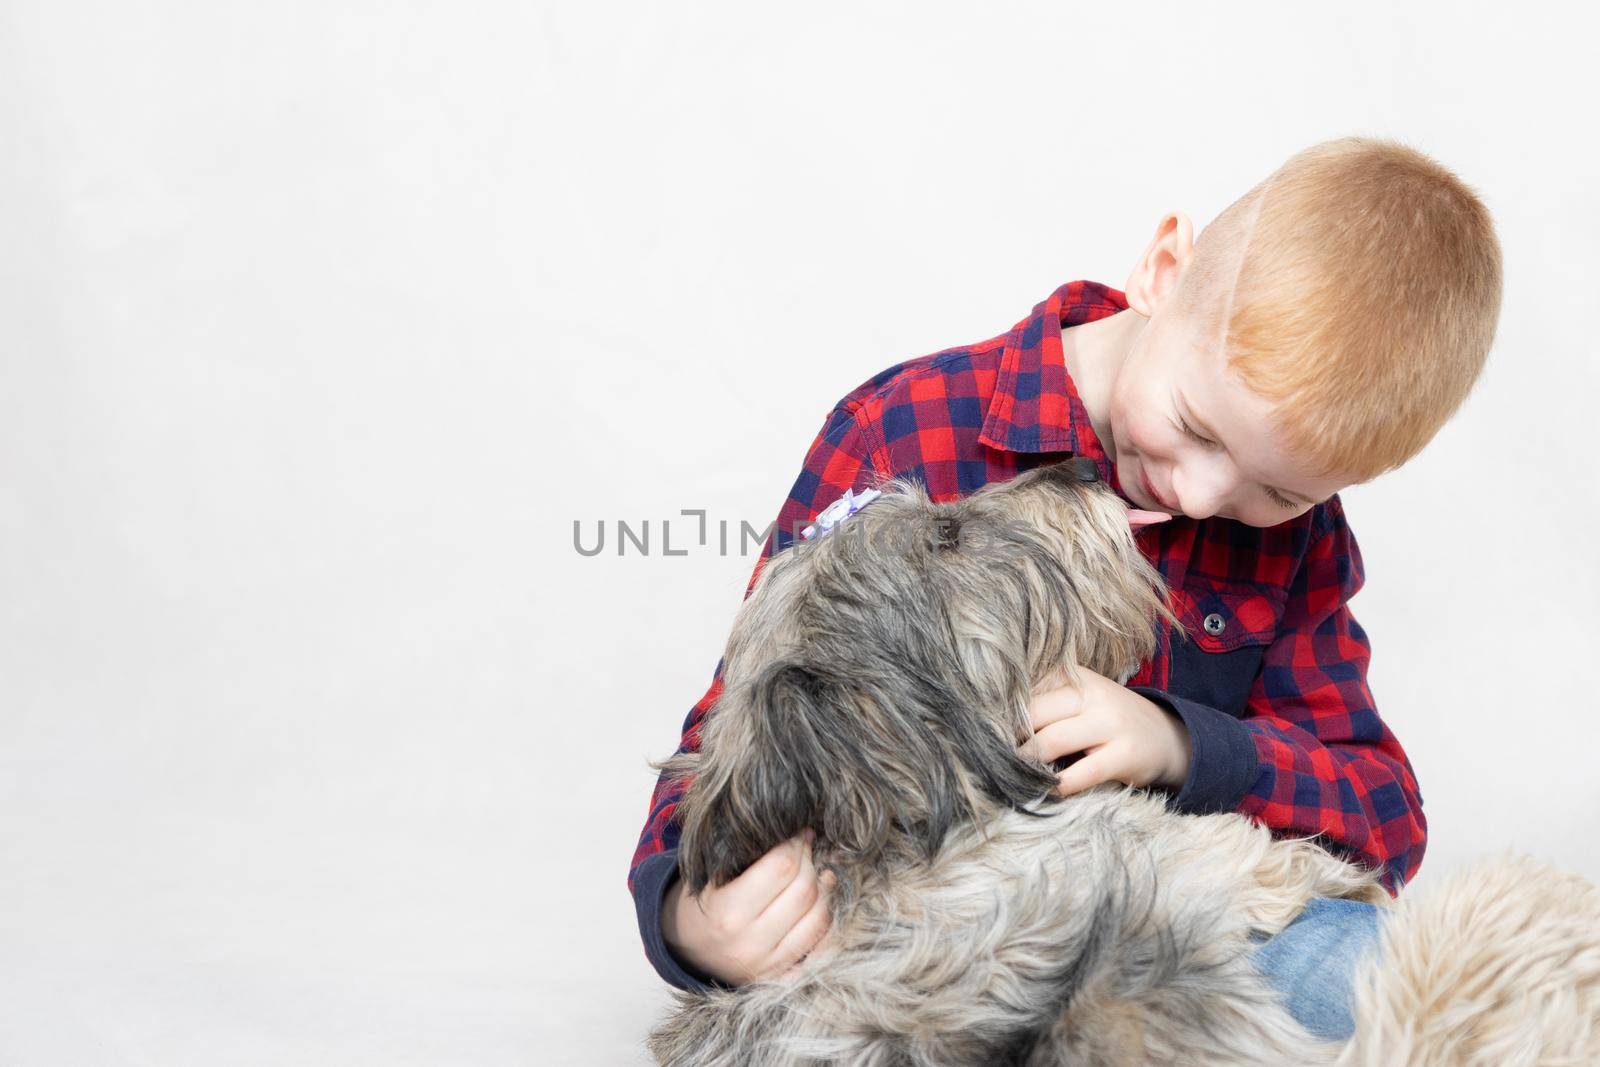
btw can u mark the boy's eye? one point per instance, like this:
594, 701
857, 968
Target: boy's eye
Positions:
1281, 500
1191, 432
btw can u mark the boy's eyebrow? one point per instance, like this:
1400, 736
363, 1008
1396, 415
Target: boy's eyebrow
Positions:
1209, 432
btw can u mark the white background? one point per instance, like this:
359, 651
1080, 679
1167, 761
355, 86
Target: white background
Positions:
320, 323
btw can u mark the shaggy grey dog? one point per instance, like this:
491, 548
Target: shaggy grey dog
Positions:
876, 688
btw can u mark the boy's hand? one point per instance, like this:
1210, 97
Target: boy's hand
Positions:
1127, 737
759, 925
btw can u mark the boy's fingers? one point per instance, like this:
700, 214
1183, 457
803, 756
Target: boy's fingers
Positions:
787, 908
806, 934
1086, 773
748, 895
1063, 738
1054, 705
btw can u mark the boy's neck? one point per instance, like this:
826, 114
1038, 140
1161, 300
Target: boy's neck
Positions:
1095, 352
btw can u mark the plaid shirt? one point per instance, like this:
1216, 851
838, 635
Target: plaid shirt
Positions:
1271, 682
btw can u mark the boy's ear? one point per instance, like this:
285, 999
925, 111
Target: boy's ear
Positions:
1155, 276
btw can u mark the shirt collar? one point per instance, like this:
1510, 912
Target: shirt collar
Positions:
1036, 407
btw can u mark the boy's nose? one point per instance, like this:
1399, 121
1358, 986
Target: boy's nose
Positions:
1201, 497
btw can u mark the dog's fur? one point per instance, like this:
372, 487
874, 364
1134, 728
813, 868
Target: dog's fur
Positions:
876, 688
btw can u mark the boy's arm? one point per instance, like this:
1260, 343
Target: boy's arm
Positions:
838, 460
1311, 755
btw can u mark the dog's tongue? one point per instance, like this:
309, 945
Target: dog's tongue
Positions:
1138, 519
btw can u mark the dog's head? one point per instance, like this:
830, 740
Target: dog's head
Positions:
877, 680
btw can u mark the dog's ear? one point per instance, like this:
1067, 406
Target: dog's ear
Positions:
767, 750
870, 763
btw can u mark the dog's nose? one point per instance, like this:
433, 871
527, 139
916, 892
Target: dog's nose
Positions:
1082, 469
1078, 469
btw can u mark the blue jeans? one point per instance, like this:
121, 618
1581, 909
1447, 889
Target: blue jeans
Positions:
1312, 962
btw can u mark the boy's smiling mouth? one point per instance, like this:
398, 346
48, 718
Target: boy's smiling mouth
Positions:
1150, 491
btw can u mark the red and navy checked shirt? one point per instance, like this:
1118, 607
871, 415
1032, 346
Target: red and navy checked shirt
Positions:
1271, 679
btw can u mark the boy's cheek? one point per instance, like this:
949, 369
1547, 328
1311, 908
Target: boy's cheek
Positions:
1137, 438
1136, 424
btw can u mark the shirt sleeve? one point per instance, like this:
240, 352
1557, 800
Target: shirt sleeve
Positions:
838, 460
1311, 756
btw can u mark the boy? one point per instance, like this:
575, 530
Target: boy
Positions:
1323, 329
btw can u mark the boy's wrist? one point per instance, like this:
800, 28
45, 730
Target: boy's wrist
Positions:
670, 901
673, 915
1223, 764
1182, 751
653, 878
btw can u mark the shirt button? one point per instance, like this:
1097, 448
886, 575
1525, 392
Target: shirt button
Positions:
1214, 624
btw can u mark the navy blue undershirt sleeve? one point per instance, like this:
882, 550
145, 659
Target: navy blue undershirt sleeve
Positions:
1224, 765
650, 884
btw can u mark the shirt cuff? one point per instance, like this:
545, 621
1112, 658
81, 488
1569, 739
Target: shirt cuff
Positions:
1224, 764
651, 880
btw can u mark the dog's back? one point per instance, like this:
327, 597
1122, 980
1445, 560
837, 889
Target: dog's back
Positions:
1107, 931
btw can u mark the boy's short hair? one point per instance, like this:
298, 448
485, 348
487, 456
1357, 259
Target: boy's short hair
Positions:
1357, 288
